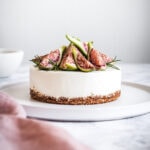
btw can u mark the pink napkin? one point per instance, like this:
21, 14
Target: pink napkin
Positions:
20, 133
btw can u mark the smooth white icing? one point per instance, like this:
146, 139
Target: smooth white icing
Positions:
75, 84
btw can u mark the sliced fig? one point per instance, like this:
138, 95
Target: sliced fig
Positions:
56, 55
51, 60
106, 58
45, 63
78, 43
82, 63
68, 62
96, 59
42, 62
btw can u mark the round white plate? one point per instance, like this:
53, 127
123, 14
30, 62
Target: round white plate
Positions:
134, 101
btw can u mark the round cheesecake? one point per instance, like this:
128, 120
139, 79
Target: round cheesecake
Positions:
75, 87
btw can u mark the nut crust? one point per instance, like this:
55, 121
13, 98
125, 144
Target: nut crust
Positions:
93, 99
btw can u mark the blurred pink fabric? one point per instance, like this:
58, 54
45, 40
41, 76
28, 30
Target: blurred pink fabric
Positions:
20, 133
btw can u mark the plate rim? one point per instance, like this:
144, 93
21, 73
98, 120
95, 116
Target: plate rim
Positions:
46, 104
86, 108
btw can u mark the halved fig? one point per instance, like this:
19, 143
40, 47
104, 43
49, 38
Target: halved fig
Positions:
56, 55
51, 60
106, 58
78, 43
42, 62
96, 59
45, 63
68, 62
82, 63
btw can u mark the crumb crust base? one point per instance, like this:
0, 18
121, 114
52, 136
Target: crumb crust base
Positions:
93, 99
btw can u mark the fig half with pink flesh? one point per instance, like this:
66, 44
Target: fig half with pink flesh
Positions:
82, 63
68, 62
96, 59
49, 61
45, 63
106, 58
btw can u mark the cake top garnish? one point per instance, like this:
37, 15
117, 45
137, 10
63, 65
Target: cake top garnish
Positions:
78, 55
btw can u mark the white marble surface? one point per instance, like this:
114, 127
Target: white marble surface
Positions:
126, 134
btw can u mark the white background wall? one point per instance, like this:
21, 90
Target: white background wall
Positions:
117, 27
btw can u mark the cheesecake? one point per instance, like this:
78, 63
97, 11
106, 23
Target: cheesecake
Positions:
76, 74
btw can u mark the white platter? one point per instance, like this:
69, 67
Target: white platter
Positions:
134, 101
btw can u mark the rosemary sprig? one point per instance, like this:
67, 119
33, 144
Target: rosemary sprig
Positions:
37, 59
55, 66
115, 59
110, 64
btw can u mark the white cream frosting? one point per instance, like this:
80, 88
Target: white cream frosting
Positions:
73, 84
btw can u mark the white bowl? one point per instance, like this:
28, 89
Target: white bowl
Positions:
10, 60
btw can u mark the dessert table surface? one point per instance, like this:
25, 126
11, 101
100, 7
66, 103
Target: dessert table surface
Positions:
125, 134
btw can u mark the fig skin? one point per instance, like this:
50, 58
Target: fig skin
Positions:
61, 51
81, 46
71, 67
90, 47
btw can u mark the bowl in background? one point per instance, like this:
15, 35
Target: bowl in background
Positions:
10, 60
